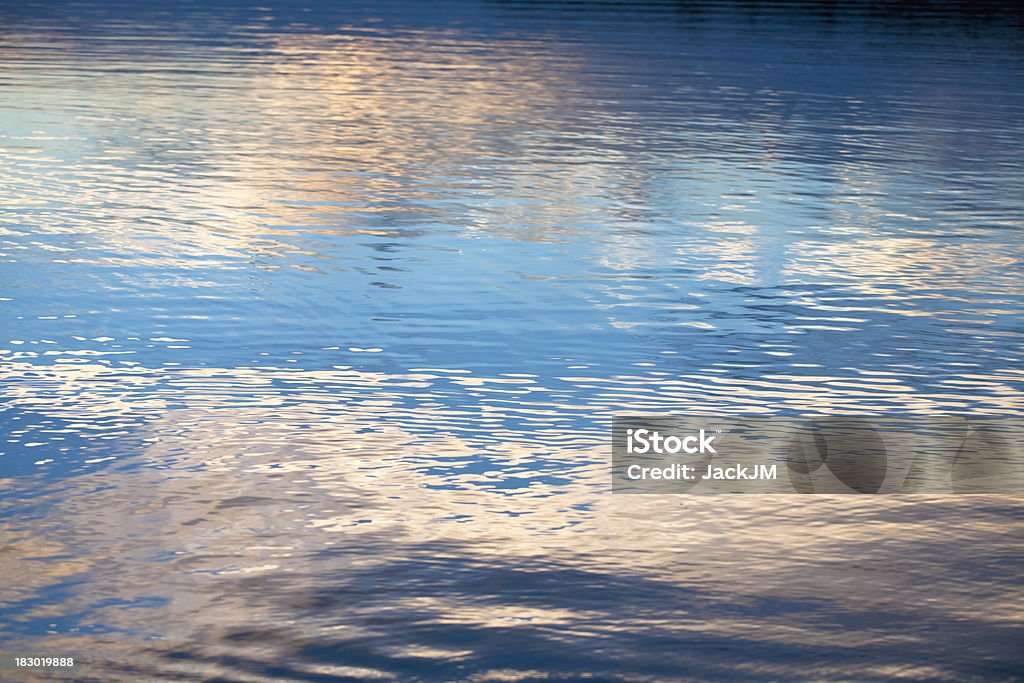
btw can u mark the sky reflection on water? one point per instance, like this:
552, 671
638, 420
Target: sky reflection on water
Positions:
315, 317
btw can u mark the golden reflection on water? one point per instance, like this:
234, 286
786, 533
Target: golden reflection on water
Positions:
880, 265
246, 514
330, 130
318, 138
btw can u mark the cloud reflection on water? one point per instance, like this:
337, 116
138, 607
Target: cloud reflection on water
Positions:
281, 536
314, 323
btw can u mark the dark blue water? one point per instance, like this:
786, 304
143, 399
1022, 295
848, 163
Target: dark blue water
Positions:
313, 317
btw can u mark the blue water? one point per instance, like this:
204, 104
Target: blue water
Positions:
313, 317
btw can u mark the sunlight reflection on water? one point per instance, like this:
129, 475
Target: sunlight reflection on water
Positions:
315, 320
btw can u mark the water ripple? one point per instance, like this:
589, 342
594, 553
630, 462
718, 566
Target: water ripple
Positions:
315, 316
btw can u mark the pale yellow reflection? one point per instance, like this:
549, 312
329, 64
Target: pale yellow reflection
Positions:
320, 135
904, 268
236, 494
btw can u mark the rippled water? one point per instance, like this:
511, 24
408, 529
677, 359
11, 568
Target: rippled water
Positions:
314, 317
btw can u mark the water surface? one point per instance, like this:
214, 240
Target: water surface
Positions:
313, 319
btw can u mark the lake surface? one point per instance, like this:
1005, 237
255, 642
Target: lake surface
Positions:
313, 318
